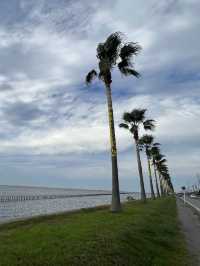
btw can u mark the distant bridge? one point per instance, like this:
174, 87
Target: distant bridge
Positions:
15, 198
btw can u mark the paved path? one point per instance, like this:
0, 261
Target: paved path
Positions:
190, 223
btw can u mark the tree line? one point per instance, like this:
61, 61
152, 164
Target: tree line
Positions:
114, 52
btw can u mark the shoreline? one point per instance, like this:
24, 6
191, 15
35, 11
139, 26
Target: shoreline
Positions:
9, 214
61, 213
52, 215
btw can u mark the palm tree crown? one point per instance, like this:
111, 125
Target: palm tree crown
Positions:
155, 150
134, 119
113, 52
146, 141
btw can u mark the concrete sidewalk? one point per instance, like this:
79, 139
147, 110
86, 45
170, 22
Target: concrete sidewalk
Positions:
190, 224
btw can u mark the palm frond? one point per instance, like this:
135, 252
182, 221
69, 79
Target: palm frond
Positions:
129, 49
163, 161
161, 156
123, 64
111, 48
158, 156
107, 53
146, 139
127, 71
90, 76
126, 54
149, 124
156, 144
155, 150
124, 125
127, 117
138, 115
162, 167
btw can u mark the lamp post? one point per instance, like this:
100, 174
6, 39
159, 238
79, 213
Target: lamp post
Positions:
183, 188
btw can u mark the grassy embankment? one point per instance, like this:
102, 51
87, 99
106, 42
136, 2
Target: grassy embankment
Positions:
143, 234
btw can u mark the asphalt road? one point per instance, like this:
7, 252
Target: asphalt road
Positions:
190, 225
194, 201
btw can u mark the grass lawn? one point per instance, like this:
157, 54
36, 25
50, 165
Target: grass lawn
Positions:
143, 234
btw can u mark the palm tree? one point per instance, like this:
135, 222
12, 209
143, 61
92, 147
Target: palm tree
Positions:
162, 169
155, 150
133, 121
164, 176
169, 184
165, 179
113, 52
146, 142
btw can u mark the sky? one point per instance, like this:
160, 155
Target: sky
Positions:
54, 129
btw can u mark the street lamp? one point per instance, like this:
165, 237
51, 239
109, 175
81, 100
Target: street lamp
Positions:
183, 188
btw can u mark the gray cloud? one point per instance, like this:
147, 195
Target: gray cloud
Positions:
20, 113
6, 87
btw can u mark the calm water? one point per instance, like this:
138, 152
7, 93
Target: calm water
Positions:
22, 209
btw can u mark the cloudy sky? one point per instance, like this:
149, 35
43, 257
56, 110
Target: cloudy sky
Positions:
53, 128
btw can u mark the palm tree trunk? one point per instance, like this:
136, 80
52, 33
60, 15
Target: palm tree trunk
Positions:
156, 180
143, 194
150, 179
161, 186
165, 188
172, 187
115, 204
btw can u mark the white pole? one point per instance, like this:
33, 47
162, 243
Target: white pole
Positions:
184, 196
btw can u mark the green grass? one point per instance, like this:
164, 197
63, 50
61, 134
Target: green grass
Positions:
143, 234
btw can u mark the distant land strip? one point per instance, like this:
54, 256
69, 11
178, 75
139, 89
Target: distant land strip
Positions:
42, 197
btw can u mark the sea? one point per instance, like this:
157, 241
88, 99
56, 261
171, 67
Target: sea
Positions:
20, 202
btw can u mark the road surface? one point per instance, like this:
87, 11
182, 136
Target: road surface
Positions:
194, 201
190, 224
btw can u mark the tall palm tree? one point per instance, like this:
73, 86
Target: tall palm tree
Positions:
165, 178
133, 121
146, 142
169, 184
162, 169
113, 52
155, 150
